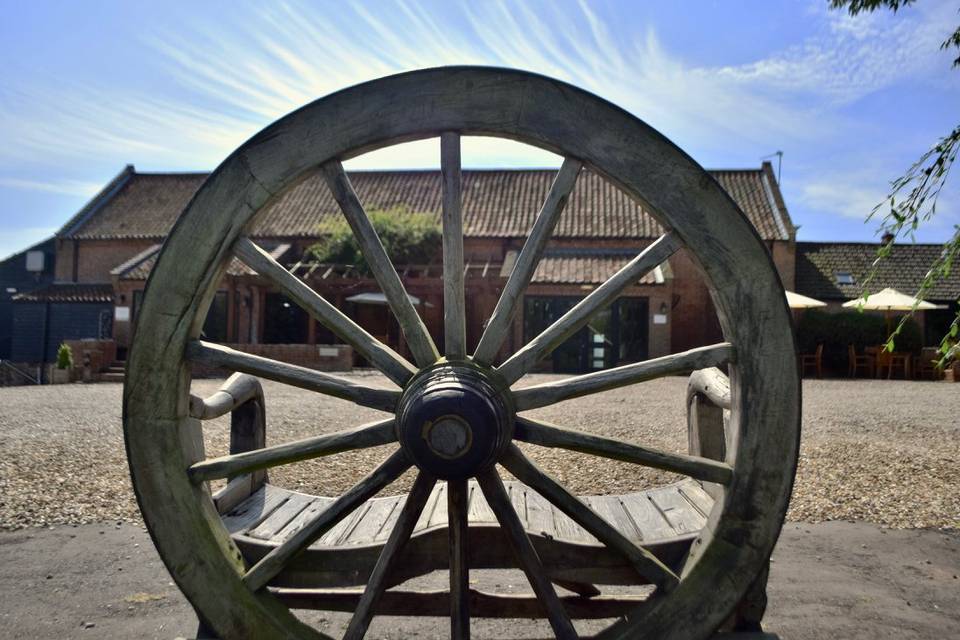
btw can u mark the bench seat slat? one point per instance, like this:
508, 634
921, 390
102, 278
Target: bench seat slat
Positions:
281, 516
255, 509
681, 514
647, 518
373, 522
273, 514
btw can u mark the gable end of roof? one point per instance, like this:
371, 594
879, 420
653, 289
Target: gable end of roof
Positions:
90, 209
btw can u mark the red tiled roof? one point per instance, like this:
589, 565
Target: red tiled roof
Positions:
140, 266
586, 267
496, 203
68, 292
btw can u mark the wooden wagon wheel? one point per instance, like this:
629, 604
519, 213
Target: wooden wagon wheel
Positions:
455, 416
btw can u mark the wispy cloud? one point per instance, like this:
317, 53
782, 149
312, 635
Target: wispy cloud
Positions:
850, 57
65, 187
231, 82
842, 195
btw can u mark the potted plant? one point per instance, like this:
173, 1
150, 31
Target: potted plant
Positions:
62, 373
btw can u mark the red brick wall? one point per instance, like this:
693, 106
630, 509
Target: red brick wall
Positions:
95, 258
691, 316
785, 259
311, 356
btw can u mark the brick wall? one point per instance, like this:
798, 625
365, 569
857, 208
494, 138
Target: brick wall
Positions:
91, 355
785, 259
337, 357
694, 319
95, 258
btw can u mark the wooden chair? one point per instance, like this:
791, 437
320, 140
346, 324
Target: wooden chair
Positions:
891, 361
245, 556
925, 364
856, 362
814, 360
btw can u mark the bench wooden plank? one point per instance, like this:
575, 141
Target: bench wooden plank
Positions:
424, 521
519, 501
438, 513
397, 503
646, 517
281, 516
274, 514
255, 509
697, 496
317, 505
679, 511
540, 520
479, 511
610, 509
566, 529
335, 536
372, 523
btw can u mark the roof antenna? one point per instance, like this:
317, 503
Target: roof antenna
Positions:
779, 155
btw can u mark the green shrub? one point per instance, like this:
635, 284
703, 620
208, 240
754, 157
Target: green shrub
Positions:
64, 357
837, 330
408, 237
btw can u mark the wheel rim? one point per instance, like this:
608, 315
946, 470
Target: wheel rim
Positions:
452, 102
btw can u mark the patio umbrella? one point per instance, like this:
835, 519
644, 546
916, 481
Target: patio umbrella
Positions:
379, 298
890, 300
797, 301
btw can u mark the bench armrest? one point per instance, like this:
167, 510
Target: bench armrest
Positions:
708, 404
242, 397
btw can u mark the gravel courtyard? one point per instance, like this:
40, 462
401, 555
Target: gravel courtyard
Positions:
878, 451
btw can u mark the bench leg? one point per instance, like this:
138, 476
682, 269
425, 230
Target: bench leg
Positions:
749, 613
205, 633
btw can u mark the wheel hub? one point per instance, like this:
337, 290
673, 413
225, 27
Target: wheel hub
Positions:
453, 422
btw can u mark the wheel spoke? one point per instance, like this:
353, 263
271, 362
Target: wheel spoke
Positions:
547, 435
421, 344
454, 309
215, 355
499, 325
392, 364
398, 538
363, 437
274, 562
457, 511
646, 564
526, 555
553, 336
549, 393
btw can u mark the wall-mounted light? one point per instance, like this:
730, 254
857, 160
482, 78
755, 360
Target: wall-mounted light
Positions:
663, 307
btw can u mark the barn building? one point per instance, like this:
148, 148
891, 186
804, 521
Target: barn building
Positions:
104, 255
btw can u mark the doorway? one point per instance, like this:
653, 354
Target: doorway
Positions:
616, 335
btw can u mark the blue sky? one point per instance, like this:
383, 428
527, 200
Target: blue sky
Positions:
88, 87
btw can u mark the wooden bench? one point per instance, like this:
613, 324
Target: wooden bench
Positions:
458, 418
665, 520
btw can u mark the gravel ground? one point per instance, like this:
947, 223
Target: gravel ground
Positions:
878, 451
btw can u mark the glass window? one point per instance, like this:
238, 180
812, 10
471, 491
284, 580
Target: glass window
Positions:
539, 312
215, 326
284, 322
634, 330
